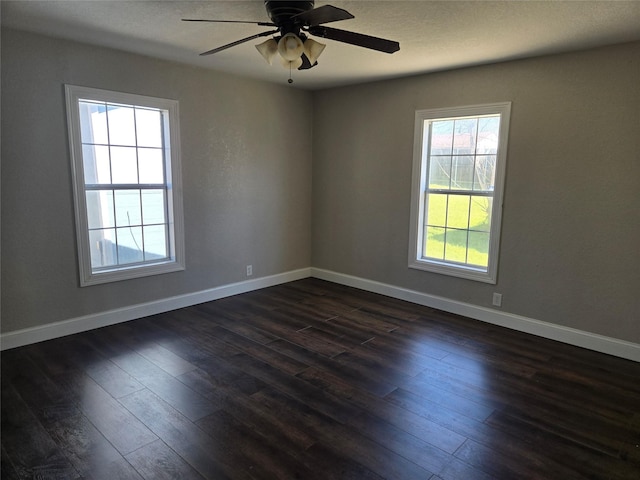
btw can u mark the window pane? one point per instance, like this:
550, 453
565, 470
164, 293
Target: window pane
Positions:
441, 140
129, 243
462, 172
155, 242
488, 131
455, 249
439, 172
102, 246
122, 128
480, 216
93, 122
479, 248
95, 163
127, 208
149, 128
124, 165
434, 242
437, 209
464, 141
100, 209
153, 206
151, 165
458, 211
485, 172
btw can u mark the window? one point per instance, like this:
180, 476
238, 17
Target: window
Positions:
458, 177
126, 168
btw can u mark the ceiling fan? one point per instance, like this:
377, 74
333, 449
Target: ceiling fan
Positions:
293, 22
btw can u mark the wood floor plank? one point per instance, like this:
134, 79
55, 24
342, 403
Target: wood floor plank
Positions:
509, 461
404, 419
401, 442
67, 354
587, 461
312, 396
125, 432
244, 407
7, 469
48, 400
262, 352
447, 418
173, 334
459, 470
290, 329
209, 456
337, 464
89, 451
190, 403
264, 460
211, 316
156, 461
215, 379
113, 379
351, 373
415, 356
166, 359
578, 425
372, 455
43, 458
437, 397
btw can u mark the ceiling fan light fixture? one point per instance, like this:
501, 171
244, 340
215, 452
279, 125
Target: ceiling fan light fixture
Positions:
313, 49
268, 50
290, 47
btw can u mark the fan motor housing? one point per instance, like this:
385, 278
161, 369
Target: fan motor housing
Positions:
280, 12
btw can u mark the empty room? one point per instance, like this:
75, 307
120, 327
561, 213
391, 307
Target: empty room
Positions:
320, 240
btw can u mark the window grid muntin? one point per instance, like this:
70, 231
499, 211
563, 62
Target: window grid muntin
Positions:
140, 188
471, 193
111, 106
448, 227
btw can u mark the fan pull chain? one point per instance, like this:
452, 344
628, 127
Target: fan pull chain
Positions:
290, 79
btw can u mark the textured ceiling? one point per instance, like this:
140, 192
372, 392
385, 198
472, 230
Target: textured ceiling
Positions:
433, 35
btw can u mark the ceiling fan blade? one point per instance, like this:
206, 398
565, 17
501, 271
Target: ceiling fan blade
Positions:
306, 64
359, 39
262, 24
324, 14
238, 42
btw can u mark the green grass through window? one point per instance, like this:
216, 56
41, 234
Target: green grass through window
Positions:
457, 228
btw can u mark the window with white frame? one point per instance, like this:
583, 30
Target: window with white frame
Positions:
126, 166
458, 180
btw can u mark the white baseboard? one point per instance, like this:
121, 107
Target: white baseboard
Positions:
572, 336
50, 331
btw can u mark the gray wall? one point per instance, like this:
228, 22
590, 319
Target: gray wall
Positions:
571, 225
570, 246
246, 164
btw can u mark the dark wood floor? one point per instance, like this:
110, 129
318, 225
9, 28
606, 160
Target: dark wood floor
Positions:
312, 380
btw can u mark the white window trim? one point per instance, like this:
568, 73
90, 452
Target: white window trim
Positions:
419, 178
176, 260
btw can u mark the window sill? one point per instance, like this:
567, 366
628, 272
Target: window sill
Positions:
109, 276
461, 271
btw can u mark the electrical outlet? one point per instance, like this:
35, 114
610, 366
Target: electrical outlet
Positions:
497, 299
249, 270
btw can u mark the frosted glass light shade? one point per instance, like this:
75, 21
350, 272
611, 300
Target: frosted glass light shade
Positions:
313, 49
293, 64
268, 50
290, 47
